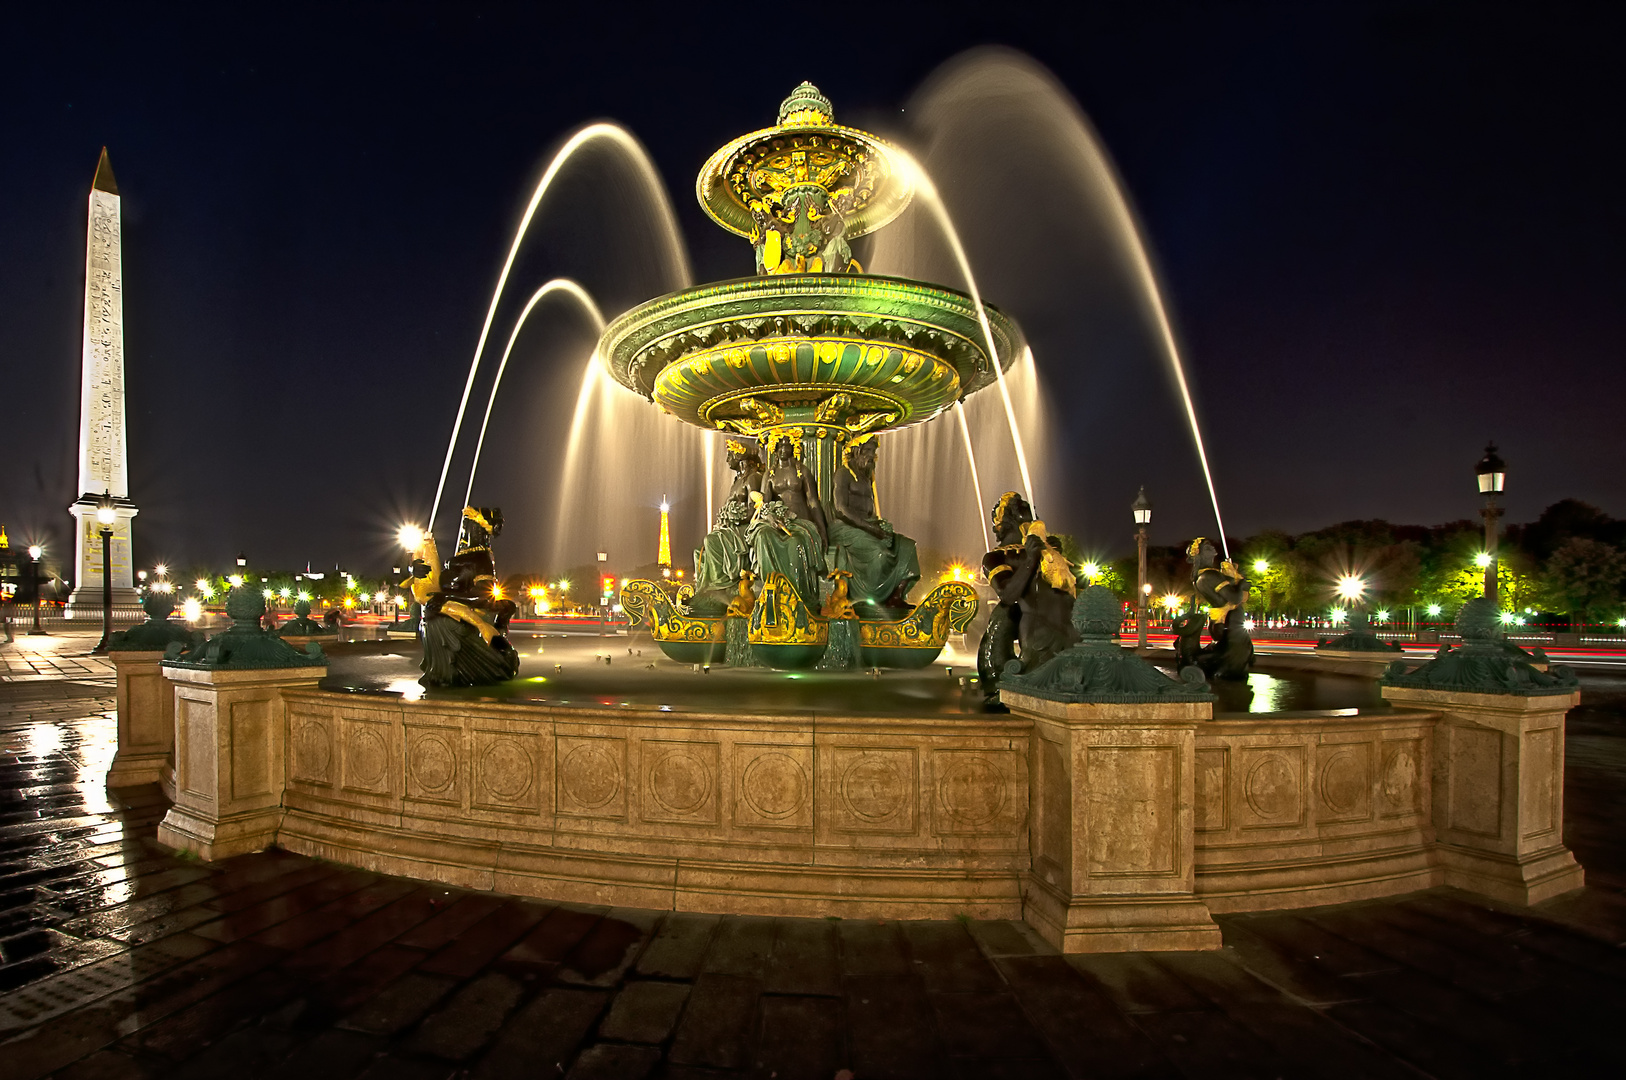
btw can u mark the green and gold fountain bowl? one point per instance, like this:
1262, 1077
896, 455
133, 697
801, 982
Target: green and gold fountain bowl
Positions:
864, 352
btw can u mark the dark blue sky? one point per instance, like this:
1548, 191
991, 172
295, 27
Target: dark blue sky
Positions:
1388, 232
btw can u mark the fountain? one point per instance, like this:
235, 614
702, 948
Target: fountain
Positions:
793, 752
817, 360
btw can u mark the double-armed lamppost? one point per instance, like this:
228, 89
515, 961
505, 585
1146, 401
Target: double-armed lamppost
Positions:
105, 517
1143, 518
34, 552
1492, 475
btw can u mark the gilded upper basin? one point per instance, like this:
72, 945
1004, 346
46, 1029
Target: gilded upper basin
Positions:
867, 351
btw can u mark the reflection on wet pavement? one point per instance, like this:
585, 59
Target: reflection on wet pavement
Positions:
119, 959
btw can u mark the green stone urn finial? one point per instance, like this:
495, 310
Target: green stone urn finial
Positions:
1097, 614
806, 106
1480, 620
246, 607
157, 605
302, 608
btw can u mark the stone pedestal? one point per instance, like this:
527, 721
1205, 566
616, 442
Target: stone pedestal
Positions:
1112, 825
229, 764
146, 708
1498, 791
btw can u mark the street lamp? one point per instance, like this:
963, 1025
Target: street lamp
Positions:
105, 517
34, 552
1491, 472
1142, 510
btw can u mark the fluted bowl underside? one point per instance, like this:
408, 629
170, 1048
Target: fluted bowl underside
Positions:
870, 352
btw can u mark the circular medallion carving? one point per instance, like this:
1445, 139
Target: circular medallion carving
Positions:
368, 760
1272, 788
311, 750
774, 785
1343, 781
1399, 779
432, 764
872, 788
505, 769
679, 781
590, 775
972, 790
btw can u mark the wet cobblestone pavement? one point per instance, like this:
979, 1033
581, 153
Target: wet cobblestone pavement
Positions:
118, 959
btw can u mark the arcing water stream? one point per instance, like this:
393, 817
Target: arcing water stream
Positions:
616, 136
982, 101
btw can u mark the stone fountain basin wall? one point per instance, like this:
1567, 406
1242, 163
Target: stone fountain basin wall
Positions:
855, 816
793, 815
1295, 811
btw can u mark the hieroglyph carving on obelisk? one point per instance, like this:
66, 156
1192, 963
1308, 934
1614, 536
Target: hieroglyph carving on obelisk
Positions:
103, 461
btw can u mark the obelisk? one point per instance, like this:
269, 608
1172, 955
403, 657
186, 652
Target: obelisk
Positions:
103, 462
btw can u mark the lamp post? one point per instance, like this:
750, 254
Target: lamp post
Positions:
105, 518
1492, 475
34, 552
1143, 518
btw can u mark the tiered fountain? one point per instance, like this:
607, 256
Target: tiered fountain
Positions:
813, 350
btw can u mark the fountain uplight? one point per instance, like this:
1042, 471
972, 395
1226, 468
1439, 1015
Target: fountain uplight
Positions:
1351, 587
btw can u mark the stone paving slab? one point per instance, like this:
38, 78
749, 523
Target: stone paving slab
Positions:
119, 959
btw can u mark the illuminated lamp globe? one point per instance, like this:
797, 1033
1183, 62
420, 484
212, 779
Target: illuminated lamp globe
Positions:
1491, 472
1142, 508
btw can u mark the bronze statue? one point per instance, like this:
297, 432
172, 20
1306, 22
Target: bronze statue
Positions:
882, 563
461, 645
1222, 587
722, 555
1035, 585
788, 533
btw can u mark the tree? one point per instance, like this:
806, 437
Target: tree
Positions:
1585, 577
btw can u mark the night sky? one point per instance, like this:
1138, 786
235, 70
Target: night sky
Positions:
1387, 233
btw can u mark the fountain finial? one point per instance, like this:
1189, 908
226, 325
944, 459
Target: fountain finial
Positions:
806, 106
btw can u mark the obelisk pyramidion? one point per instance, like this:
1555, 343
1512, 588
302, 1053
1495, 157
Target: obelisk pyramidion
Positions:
103, 461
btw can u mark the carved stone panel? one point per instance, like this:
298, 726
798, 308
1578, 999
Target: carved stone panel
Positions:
681, 781
507, 770
1400, 778
250, 748
591, 776
875, 789
366, 756
1344, 782
198, 746
975, 792
773, 786
310, 750
1475, 770
1272, 787
1055, 807
434, 764
1133, 810
1540, 782
1213, 788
